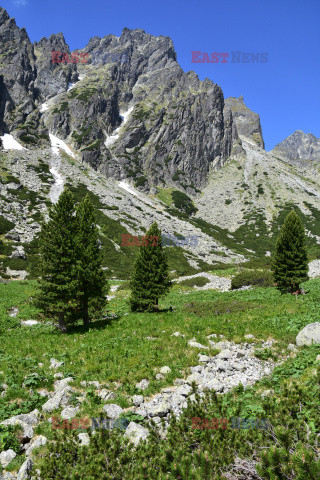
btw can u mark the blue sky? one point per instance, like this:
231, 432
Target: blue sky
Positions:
284, 91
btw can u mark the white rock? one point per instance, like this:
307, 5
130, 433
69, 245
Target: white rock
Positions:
84, 439
7, 456
309, 334
225, 354
25, 470
136, 432
143, 384
195, 344
35, 443
69, 412
137, 400
113, 411
165, 370
204, 358
55, 363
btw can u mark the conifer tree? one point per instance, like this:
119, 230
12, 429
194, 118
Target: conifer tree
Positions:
92, 283
150, 278
290, 262
58, 282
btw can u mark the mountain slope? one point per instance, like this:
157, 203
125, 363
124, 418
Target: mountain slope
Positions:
131, 129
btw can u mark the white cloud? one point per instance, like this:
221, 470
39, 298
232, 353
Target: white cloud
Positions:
20, 2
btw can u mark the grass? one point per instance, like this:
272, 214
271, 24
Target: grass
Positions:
116, 349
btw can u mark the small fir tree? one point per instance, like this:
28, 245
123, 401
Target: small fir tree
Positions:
92, 282
290, 262
58, 282
150, 278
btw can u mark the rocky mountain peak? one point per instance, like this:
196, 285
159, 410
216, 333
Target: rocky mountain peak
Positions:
299, 146
247, 122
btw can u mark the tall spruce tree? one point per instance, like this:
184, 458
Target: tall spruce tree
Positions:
150, 278
290, 262
92, 283
58, 281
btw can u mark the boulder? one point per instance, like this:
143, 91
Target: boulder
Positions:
165, 370
35, 443
84, 439
105, 394
7, 456
26, 421
143, 384
195, 344
69, 412
309, 334
25, 470
136, 432
225, 354
55, 363
137, 400
60, 398
113, 411
157, 409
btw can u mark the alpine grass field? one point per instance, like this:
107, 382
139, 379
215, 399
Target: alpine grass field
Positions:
116, 349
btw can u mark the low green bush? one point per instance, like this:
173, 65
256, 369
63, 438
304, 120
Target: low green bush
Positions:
197, 281
5, 225
9, 438
253, 277
182, 202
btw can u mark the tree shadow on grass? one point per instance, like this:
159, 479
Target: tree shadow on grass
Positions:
95, 325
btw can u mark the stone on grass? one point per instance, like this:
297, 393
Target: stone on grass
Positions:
292, 347
177, 334
60, 398
158, 409
55, 363
143, 384
28, 323
35, 443
193, 343
25, 470
165, 370
137, 400
105, 394
93, 383
136, 432
309, 335
69, 412
26, 421
113, 411
159, 376
248, 336
84, 439
204, 358
7, 456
